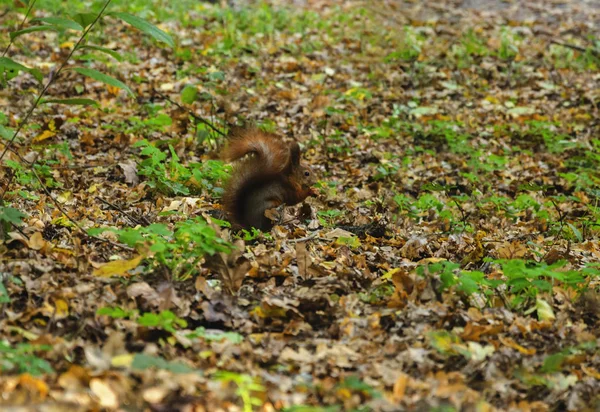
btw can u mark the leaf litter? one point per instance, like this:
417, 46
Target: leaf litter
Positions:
450, 260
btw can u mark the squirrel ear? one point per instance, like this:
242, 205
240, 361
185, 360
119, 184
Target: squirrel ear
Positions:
294, 154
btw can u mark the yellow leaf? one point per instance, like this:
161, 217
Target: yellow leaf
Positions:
390, 273
124, 360
63, 221
67, 45
64, 197
512, 344
117, 267
492, 99
113, 90
63, 251
104, 392
37, 242
62, 308
35, 385
544, 310
46, 134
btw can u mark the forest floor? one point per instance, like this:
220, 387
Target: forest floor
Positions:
451, 260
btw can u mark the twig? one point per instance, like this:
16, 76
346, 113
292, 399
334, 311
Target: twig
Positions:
20, 25
194, 115
25, 120
78, 167
143, 221
50, 81
77, 225
574, 47
302, 239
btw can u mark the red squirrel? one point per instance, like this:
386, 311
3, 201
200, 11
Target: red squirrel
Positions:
271, 175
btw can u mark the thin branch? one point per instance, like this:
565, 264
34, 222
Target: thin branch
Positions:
596, 53
50, 81
302, 239
77, 225
142, 221
31, 165
20, 25
194, 115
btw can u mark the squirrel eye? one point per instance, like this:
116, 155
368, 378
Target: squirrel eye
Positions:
307, 173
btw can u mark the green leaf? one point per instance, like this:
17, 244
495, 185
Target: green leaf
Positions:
15, 34
145, 27
104, 78
576, 232
11, 215
73, 101
85, 19
11, 68
189, 94
115, 313
553, 363
6, 132
10, 64
142, 361
4, 296
115, 55
60, 22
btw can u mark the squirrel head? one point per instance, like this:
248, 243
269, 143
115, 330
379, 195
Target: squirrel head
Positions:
300, 173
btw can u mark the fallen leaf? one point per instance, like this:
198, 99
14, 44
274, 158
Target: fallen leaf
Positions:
117, 267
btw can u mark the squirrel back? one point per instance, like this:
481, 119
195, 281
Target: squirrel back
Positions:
267, 174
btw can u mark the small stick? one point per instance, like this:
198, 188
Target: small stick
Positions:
77, 225
143, 221
574, 47
194, 115
302, 239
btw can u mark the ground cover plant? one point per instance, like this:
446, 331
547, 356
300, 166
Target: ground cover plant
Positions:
451, 260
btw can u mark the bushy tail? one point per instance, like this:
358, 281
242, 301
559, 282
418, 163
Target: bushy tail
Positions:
270, 153
268, 156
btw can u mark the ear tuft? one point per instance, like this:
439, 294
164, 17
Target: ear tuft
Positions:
295, 154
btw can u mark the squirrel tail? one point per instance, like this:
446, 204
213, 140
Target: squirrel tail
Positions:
267, 148
268, 158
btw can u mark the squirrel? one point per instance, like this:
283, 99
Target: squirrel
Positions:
270, 176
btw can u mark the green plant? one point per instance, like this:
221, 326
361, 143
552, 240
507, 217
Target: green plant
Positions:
468, 282
353, 383
525, 280
165, 177
142, 361
21, 358
327, 217
27, 177
470, 48
165, 320
409, 49
247, 386
117, 313
10, 216
171, 177
508, 45
377, 294
4, 295
180, 250
254, 233
406, 205
39, 175
557, 361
